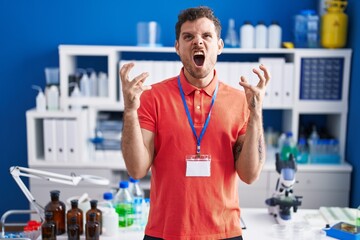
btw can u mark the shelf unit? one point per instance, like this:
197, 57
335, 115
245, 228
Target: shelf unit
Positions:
231, 64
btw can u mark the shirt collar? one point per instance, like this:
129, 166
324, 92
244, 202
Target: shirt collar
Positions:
188, 88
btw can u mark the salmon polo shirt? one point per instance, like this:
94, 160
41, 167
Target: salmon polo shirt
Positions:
193, 207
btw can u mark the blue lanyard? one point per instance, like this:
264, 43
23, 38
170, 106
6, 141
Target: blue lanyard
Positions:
198, 139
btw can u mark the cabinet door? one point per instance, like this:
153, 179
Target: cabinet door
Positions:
254, 195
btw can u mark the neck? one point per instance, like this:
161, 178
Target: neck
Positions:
199, 82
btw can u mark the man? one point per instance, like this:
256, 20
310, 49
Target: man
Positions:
197, 134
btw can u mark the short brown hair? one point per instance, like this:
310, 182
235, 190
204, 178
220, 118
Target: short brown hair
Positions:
191, 14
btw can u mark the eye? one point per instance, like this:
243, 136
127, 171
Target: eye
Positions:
188, 37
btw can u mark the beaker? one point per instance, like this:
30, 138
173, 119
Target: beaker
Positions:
52, 76
148, 34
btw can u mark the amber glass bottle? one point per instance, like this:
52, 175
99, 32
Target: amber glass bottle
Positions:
58, 208
73, 229
94, 209
48, 228
92, 227
77, 213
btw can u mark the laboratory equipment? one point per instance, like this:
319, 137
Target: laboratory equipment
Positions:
57, 207
275, 35
92, 227
73, 229
148, 34
283, 199
261, 35
40, 99
123, 203
98, 213
343, 230
77, 213
48, 228
18, 172
231, 39
247, 35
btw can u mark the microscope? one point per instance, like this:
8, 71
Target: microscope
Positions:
283, 199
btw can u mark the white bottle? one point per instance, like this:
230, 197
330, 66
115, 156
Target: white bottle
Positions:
102, 84
52, 98
247, 34
93, 83
40, 99
261, 34
138, 200
75, 95
110, 218
275, 35
85, 85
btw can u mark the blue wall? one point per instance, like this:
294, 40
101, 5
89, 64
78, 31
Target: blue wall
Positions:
30, 32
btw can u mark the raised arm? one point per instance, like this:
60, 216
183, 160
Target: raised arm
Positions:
250, 149
137, 144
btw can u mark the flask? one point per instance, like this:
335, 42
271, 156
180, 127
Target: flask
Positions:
57, 208
98, 213
231, 39
52, 98
73, 229
40, 99
48, 228
123, 205
92, 227
76, 212
261, 35
303, 152
138, 199
334, 25
275, 35
247, 35
288, 148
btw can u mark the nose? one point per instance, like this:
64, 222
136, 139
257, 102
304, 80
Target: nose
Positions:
198, 40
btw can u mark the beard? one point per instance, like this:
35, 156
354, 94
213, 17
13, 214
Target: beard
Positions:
206, 69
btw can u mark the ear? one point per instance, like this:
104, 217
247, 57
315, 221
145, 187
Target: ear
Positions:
220, 46
177, 47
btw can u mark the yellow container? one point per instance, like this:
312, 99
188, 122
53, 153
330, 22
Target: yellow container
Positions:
334, 25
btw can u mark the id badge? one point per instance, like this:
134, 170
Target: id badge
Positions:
198, 165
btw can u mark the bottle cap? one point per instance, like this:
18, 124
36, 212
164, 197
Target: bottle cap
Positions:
107, 196
55, 193
132, 180
93, 203
124, 184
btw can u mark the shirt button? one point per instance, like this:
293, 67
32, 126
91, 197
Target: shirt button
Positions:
198, 107
198, 91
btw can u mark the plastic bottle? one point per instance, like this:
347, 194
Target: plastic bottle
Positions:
52, 98
76, 212
75, 96
98, 213
102, 84
261, 35
123, 205
306, 29
288, 147
334, 24
48, 228
57, 208
358, 217
85, 85
247, 34
40, 99
303, 152
93, 82
73, 229
275, 35
138, 199
92, 227
145, 212
231, 39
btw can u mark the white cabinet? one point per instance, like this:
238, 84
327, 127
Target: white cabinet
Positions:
305, 83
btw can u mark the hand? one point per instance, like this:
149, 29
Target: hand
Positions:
132, 89
255, 94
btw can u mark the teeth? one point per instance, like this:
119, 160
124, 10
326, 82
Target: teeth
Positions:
198, 53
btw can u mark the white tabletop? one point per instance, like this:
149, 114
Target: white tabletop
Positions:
305, 225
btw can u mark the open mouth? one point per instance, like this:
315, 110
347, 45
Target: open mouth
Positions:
199, 58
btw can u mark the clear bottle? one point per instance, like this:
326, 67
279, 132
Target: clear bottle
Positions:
231, 39
261, 35
306, 29
75, 96
73, 229
247, 34
52, 98
48, 228
303, 151
288, 147
138, 199
275, 35
98, 213
145, 212
76, 212
58, 209
123, 203
92, 227
40, 99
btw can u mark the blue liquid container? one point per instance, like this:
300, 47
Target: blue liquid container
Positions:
306, 29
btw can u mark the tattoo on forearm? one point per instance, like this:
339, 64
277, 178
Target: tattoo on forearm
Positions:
253, 102
261, 148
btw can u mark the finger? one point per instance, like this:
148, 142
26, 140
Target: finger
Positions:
244, 83
124, 71
140, 79
266, 73
262, 80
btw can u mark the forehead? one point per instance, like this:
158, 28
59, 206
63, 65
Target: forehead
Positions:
200, 25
